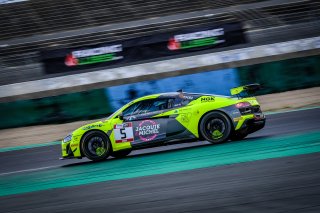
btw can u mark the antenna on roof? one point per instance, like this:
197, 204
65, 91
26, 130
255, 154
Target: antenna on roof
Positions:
180, 90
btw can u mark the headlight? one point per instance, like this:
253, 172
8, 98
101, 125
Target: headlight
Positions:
67, 139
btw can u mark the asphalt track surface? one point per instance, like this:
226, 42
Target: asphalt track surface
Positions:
278, 184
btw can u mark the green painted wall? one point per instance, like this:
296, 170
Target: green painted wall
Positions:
56, 109
283, 75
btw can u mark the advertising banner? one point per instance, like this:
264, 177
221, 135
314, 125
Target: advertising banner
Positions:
144, 48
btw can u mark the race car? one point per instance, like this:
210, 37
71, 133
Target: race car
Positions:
166, 118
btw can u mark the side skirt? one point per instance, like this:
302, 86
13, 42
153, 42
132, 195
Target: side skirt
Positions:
164, 143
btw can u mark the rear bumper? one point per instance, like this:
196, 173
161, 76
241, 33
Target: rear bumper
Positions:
253, 124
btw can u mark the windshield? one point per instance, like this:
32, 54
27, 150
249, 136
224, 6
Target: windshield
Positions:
119, 110
110, 116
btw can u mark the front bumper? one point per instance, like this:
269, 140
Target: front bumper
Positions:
70, 150
66, 150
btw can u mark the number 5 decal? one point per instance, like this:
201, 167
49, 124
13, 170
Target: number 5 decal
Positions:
123, 132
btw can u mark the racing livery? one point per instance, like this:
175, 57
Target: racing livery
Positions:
166, 118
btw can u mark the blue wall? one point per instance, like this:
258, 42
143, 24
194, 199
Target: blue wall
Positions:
213, 82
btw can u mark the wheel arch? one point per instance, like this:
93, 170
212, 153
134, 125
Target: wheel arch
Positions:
215, 110
93, 130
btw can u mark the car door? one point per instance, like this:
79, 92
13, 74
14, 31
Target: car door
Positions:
154, 121
146, 128
179, 119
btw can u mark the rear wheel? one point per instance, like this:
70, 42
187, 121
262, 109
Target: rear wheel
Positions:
96, 146
121, 153
215, 127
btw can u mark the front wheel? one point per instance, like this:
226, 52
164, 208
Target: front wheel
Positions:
96, 146
215, 127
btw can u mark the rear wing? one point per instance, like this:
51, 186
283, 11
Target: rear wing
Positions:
245, 91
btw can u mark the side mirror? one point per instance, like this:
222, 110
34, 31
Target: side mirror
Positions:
120, 116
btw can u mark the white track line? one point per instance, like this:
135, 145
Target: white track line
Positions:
28, 170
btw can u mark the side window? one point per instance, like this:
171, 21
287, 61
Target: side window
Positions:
147, 106
160, 104
179, 102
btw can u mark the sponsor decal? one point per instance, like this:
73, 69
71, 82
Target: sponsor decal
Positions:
207, 99
94, 55
91, 126
188, 97
74, 145
196, 39
182, 96
207, 36
147, 130
123, 132
237, 119
184, 118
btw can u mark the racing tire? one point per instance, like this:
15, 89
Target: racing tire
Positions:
238, 136
121, 153
215, 127
96, 146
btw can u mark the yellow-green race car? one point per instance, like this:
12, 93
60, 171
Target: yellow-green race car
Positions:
166, 118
